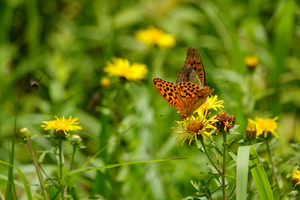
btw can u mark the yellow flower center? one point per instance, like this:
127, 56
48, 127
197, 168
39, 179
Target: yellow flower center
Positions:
195, 126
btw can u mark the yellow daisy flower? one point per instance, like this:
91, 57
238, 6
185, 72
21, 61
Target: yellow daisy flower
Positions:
251, 61
153, 36
296, 178
211, 103
193, 126
62, 125
121, 67
265, 125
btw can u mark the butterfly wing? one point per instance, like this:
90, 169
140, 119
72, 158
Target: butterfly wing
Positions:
188, 74
194, 59
170, 92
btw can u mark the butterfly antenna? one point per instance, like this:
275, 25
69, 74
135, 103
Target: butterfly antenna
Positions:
220, 83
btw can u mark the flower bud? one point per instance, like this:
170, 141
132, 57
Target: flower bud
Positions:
251, 131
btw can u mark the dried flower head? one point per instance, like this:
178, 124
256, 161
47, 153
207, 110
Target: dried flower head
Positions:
224, 121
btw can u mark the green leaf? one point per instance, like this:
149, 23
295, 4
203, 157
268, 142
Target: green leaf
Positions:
242, 172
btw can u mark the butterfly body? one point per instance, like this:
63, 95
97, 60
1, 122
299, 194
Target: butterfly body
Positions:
190, 90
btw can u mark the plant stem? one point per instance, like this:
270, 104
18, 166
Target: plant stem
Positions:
224, 162
273, 168
71, 166
38, 170
208, 156
60, 167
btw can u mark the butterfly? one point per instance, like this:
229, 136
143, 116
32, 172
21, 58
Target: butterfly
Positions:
190, 90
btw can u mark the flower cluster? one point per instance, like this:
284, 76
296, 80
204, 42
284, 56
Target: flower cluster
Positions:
121, 67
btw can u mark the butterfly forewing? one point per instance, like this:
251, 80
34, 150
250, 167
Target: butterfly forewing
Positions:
170, 92
193, 59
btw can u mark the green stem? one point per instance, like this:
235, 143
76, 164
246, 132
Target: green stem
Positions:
231, 192
224, 162
273, 168
38, 171
208, 156
71, 167
60, 167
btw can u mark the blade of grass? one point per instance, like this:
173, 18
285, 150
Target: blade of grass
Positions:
10, 186
26, 185
78, 171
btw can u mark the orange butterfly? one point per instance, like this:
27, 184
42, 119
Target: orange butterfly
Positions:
190, 90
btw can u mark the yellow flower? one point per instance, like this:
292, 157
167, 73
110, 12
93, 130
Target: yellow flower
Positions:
211, 102
62, 125
121, 67
265, 126
153, 36
193, 126
296, 178
251, 61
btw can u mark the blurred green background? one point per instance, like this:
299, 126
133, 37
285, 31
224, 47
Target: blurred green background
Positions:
68, 42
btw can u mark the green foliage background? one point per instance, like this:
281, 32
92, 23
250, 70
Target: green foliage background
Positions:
68, 43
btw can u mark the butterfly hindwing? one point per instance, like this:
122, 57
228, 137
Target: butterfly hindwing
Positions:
170, 92
188, 74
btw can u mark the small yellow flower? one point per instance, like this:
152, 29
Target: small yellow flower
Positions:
193, 126
251, 61
211, 102
265, 125
296, 178
121, 67
153, 36
62, 125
